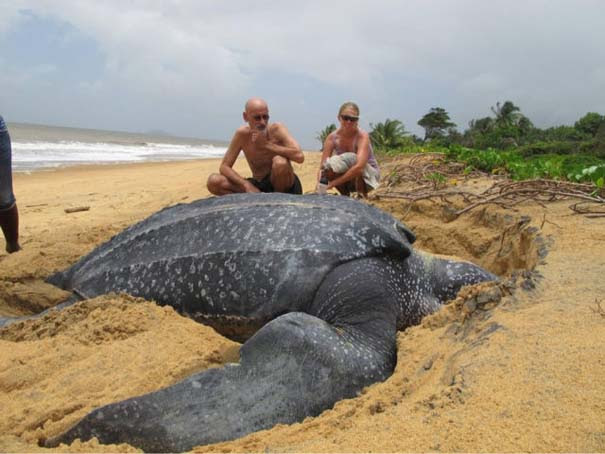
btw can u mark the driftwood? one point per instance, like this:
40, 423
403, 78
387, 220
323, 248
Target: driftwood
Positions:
76, 209
426, 178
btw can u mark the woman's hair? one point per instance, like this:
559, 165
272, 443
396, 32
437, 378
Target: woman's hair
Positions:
347, 105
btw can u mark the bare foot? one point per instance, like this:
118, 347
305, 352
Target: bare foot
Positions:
12, 247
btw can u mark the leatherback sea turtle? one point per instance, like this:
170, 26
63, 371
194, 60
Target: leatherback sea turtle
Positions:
329, 279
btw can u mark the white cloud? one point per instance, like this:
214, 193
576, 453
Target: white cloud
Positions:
9, 14
199, 60
150, 48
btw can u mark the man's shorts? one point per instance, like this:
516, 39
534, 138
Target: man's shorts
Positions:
265, 185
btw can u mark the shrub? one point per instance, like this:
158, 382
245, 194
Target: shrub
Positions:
593, 147
540, 148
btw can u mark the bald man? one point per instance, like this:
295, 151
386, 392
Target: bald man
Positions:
268, 148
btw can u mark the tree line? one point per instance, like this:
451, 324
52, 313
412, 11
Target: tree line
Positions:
506, 129
505, 142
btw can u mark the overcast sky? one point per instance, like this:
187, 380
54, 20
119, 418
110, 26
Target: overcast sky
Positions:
187, 67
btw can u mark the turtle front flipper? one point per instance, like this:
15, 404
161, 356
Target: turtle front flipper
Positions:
296, 366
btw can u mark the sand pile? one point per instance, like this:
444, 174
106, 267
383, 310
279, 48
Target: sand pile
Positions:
513, 366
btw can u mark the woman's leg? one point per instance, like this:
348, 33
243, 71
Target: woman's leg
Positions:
360, 187
344, 189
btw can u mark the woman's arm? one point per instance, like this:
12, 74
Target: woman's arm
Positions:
363, 154
326, 152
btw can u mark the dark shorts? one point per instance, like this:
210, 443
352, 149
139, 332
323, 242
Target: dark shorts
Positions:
265, 185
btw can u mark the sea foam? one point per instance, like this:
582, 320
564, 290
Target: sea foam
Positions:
36, 155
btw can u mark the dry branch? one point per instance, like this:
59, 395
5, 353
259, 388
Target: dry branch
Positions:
76, 209
503, 192
598, 309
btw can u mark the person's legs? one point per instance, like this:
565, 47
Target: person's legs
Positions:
218, 184
9, 215
344, 189
296, 187
9, 222
282, 174
361, 187
338, 165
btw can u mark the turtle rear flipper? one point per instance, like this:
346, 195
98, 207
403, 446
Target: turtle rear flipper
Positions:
296, 366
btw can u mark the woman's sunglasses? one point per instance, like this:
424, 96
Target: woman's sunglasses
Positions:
258, 117
349, 118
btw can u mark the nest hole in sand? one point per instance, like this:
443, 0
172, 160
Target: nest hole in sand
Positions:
496, 239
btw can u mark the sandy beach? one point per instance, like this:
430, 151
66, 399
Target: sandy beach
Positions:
515, 366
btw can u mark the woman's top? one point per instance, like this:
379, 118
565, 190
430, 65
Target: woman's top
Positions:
2, 124
337, 150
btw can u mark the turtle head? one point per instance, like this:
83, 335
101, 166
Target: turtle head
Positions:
448, 276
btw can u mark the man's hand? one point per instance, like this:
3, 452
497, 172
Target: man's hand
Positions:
259, 138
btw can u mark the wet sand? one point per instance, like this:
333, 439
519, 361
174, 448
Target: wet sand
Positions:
518, 366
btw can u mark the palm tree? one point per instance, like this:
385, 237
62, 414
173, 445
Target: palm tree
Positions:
525, 125
481, 125
324, 133
389, 134
506, 114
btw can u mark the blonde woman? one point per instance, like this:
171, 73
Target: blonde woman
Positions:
348, 159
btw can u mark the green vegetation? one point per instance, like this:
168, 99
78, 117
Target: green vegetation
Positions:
388, 135
436, 123
324, 133
590, 123
580, 168
437, 179
506, 143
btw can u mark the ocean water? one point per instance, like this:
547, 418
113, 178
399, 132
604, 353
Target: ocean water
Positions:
39, 147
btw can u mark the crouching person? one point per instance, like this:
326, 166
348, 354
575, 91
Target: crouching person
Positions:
348, 160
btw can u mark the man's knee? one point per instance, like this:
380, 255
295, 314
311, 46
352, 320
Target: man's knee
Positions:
280, 166
215, 182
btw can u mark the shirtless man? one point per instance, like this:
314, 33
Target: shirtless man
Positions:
268, 148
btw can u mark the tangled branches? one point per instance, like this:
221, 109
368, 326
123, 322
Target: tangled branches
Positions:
425, 171
418, 176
